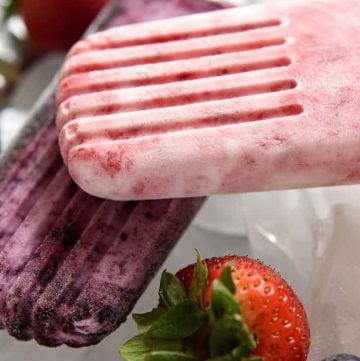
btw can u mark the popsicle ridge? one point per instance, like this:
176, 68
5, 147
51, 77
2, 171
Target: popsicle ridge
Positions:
184, 107
167, 72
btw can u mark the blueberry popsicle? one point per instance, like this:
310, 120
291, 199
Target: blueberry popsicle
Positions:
235, 100
74, 258
72, 265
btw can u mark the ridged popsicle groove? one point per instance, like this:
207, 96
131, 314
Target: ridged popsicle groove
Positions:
121, 40
48, 257
169, 95
101, 232
168, 72
84, 134
16, 205
22, 168
181, 50
29, 234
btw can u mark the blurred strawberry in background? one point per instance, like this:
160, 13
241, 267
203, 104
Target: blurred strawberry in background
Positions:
29, 31
29, 28
54, 25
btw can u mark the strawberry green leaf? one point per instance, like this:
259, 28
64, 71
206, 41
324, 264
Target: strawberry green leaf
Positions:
139, 346
169, 356
222, 342
171, 290
222, 300
231, 336
199, 281
182, 320
226, 279
227, 357
234, 356
145, 320
211, 317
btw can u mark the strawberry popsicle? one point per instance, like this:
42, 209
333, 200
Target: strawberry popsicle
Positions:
235, 100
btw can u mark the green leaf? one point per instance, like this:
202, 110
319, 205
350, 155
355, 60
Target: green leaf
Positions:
171, 290
137, 347
222, 300
228, 357
10, 8
223, 340
169, 356
211, 317
234, 356
199, 281
180, 321
226, 279
145, 320
231, 336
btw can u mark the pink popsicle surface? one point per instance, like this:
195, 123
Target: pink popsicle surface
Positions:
237, 100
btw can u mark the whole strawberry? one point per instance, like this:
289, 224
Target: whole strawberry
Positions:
222, 309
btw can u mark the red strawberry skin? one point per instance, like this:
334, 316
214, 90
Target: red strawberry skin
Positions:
269, 306
54, 25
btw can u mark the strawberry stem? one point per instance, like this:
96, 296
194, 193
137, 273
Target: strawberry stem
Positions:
181, 329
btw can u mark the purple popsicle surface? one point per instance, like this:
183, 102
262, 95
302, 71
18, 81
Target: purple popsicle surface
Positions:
72, 266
